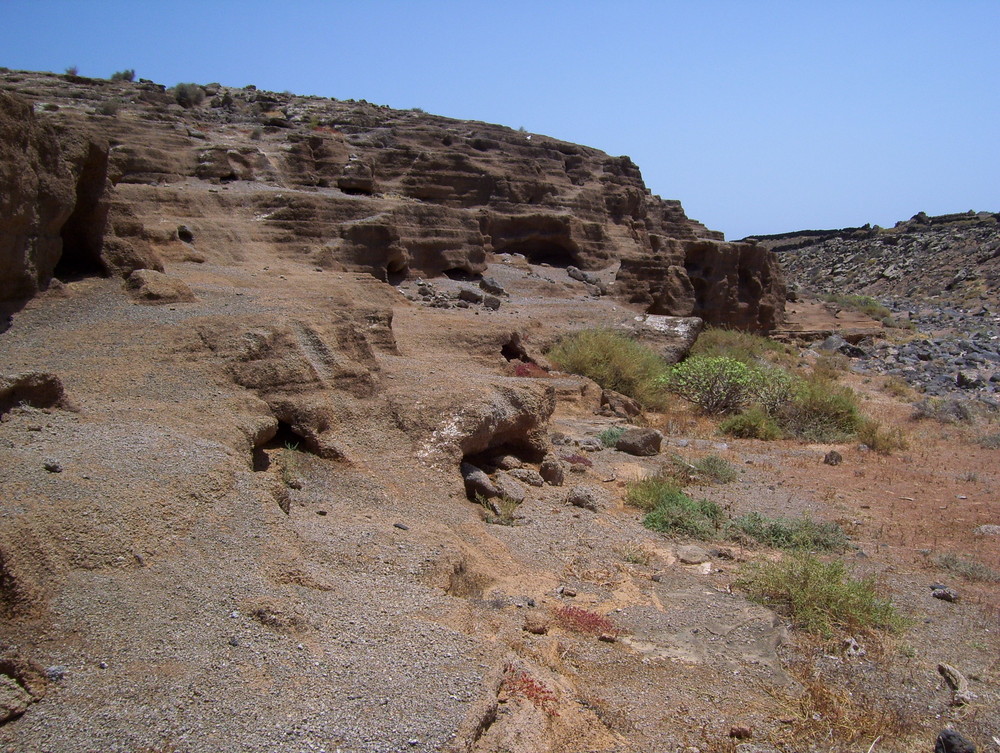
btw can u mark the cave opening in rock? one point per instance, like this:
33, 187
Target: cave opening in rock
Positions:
540, 252
396, 272
285, 438
522, 449
461, 275
513, 350
83, 232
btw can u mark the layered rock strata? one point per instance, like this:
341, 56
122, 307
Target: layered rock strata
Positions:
342, 185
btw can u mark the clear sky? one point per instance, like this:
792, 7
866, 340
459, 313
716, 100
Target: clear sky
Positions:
760, 116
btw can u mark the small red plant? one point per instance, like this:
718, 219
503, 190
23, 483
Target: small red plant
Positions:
578, 460
520, 683
584, 621
529, 369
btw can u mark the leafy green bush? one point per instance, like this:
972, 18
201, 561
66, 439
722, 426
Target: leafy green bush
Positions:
716, 384
127, 75
188, 95
821, 411
615, 362
819, 597
773, 387
791, 533
753, 423
610, 436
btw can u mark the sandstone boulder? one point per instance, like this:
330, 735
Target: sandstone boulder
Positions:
150, 286
641, 442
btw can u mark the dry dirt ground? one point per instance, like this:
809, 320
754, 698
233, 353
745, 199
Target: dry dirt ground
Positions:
181, 583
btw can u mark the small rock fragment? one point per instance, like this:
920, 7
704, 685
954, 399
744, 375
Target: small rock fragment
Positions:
491, 286
528, 475
53, 466
14, 699
470, 295
945, 594
552, 470
833, 458
692, 555
582, 496
949, 741
740, 732
477, 482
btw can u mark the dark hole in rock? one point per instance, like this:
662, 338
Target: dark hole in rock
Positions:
37, 389
286, 438
512, 350
541, 252
356, 191
461, 275
83, 232
523, 451
396, 272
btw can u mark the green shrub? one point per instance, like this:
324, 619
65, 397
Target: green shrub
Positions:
610, 436
743, 346
791, 533
883, 441
127, 75
109, 107
685, 516
946, 411
716, 384
647, 493
773, 388
615, 362
716, 469
501, 511
819, 597
990, 441
967, 568
753, 423
821, 411
862, 303
188, 95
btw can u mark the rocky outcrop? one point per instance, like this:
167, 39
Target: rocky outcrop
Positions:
360, 187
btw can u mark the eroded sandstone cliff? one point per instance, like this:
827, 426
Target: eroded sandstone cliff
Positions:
345, 185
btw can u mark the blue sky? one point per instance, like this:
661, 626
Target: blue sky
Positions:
761, 117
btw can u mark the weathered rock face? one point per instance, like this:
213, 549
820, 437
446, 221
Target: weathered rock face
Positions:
36, 199
397, 194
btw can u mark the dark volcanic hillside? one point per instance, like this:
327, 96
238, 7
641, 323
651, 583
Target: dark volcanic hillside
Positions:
954, 257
